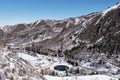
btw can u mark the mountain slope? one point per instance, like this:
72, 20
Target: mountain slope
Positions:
88, 29
32, 51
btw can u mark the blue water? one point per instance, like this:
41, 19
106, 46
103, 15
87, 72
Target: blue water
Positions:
61, 68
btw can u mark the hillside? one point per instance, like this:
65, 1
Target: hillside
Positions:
86, 45
89, 29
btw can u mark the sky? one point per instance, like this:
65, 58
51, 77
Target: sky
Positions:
27, 11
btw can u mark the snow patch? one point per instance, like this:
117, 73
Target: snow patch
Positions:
112, 8
26, 57
77, 21
90, 77
100, 39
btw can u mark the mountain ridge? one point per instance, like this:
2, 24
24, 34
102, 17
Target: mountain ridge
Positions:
88, 46
88, 29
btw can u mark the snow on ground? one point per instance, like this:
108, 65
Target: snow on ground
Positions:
37, 22
57, 29
42, 61
77, 21
90, 77
100, 39
49, 62
26, 56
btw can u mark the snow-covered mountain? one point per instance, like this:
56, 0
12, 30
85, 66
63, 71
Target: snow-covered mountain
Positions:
95, 33
91, 29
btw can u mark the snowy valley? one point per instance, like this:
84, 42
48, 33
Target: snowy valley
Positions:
80, 48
